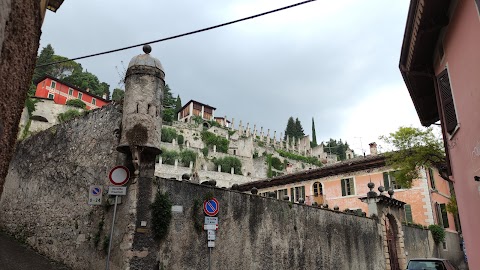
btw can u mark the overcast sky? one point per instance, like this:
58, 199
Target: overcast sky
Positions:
335, 61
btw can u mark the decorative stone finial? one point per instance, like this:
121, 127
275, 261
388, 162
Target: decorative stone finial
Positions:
301, 200
254, 191
147, 48
381, 189
371, 193
336, 208
390, 192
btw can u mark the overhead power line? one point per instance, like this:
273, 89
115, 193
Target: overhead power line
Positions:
180, 35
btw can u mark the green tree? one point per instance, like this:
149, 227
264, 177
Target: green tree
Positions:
85, 80
76, 103
118, 94
298, 129
45, 56
290, 130
105, 87
414, 147
314, 135
229, 162
178, 104
168, 100
336, 147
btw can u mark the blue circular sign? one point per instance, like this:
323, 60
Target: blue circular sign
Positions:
210, 207
96, 191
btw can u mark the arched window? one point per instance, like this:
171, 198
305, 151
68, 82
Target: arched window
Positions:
317, 189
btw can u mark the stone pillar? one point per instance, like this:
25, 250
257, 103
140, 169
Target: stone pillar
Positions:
187, 144
205, 167
160, 160
219, 169
248, 132
176, 163
233, 124
232, 171
261, 134
174, 142
247, 129
214, 148
281, 140
240, 128
268, 136
274, 137
190, 165
225, 123
255, 131
288, 143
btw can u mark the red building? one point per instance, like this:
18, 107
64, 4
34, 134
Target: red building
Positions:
440, 63
60, 92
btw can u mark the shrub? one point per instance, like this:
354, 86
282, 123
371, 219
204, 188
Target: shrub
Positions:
186, 156
310, 160
161, 215
277, 163
214, 123
228, 163
197, 119
205, 151
438, 233
168, 134
169, 156
180, 139
70, 114
77, 103
211, 139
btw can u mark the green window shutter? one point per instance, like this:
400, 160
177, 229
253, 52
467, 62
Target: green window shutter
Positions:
303, 192
344, 192
352, 186
443, 208
292, 195
386, 183
408, 213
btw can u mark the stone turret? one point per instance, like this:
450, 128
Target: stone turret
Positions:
141, 122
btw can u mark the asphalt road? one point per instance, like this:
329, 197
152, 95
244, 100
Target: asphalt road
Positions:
15, 256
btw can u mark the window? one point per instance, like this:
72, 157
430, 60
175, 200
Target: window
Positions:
431, 177
53, 85
51, 96
347, 187
408, 213
389, 181
442, 215
94, 101
444, 245
297, 193
70, 91
281, 193
317, 189
448, 107
80, 95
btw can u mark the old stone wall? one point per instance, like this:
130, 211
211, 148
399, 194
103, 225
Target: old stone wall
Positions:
46, 192
20, 23
262, 233
419, 244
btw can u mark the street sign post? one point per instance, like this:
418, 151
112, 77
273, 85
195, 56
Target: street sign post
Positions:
118, 176
95, 195
211, 208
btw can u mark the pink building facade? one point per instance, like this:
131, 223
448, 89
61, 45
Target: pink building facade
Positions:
343, 184
440, 63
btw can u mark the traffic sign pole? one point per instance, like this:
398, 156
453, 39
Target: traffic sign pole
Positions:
111, 233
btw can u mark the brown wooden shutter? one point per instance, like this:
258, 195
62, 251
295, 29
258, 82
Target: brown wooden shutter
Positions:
447, 101
386, 182
344, 191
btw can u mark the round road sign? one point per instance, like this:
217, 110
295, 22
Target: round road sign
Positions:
119, 175
210, 207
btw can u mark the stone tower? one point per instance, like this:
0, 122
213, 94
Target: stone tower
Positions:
142, 107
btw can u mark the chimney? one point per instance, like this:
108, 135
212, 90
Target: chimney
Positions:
104, 96
373, 148
88, 90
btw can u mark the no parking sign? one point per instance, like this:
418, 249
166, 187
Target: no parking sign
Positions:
210, 207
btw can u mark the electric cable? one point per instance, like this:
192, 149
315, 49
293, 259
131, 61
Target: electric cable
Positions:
178, 36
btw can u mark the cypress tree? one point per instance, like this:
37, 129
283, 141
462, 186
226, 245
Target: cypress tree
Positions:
290, 130
314, 135
298, 129
178, 104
